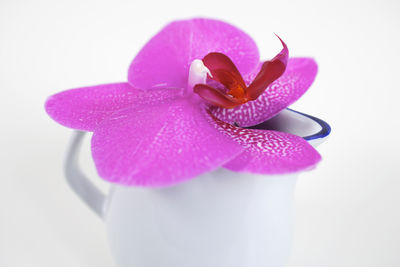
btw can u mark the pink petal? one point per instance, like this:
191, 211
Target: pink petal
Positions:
269, 152
159, 145
84, 108
298, 77
165, 59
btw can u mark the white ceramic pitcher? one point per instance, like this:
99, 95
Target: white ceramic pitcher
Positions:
219, 219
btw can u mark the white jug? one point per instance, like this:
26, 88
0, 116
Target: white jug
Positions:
219, 219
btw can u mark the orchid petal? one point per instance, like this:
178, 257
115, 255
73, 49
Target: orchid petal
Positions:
270, 71
164, 61
298, 77
223, 70
84, 108
159, 145
215, 97
269, 152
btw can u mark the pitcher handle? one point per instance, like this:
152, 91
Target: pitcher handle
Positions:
82, 186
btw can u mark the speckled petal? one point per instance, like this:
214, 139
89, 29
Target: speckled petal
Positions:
84, 108
164, 61
159, 145
298, 77
269, 152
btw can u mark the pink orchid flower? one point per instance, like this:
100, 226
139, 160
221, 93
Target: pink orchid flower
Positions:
190, 91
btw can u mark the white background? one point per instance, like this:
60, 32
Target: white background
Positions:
347, 209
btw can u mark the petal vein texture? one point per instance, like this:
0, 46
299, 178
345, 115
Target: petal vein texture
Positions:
269, 152
159, 145
298, 77
164, 61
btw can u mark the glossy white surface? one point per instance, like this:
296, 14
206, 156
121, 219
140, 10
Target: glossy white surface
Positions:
221, 218
218, 219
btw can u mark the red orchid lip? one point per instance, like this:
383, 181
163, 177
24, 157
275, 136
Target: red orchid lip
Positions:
224, 71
